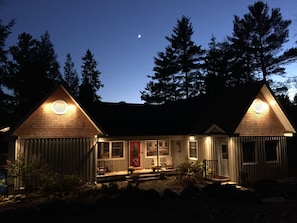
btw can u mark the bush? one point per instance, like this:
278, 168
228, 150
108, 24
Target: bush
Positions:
190, 172
37, 175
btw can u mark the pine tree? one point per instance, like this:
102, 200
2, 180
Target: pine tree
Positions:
178, 70
34, 70
258, 38
90, 80
6, 100
164, 86
71, 78
216, 66
188, 58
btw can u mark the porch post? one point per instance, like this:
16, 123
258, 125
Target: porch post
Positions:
157, 155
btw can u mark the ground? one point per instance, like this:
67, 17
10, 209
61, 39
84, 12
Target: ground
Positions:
157, 201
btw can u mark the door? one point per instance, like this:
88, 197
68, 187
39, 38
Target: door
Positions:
134, 153
223, 159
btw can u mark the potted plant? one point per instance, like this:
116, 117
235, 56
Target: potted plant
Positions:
154, 167
131, 169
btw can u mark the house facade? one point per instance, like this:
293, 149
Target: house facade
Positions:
232, 134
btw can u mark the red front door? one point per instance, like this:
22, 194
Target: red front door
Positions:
135, 154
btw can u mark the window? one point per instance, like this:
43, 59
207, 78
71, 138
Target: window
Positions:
110, 150
271, 150
103, 150
117, 150
153, 146
224, 151
193, 150
248, 150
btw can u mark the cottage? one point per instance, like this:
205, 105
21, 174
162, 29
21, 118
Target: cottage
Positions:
240, 129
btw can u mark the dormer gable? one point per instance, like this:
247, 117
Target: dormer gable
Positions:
264, 117
58, 116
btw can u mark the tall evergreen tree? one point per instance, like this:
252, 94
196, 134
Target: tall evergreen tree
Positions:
216, 66
71, 78
33, 71
188, 58
6, 100
164, 86
178, 70
259, 38
91, 82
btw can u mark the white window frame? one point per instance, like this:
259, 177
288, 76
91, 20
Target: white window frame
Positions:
194, 142
153, 144
110, 151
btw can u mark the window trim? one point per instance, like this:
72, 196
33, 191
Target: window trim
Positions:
110, 149
167, 141
189, 150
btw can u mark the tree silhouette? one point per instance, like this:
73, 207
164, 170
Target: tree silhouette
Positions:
90, 80
178, 70
258, 38
33, 71
188, 58
6, 100
71, 78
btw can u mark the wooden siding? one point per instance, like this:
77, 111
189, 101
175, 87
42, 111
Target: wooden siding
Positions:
66, 156
263, 124
44, 123
260, 170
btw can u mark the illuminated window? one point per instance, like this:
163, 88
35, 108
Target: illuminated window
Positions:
193, 151
103, 150
117, 149
271, 150
248, 151
153, 146
110, 150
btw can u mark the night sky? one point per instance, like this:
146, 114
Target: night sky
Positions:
111, 29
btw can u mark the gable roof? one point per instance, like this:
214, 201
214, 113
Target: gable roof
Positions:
60, 92
199, 115
217, 113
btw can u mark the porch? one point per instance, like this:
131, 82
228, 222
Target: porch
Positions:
149, 174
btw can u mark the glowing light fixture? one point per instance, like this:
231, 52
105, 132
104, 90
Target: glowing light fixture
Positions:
192, 138
60, 107
258, 106
5, 129
288, 134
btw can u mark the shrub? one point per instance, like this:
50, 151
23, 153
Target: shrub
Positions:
37, 175
190, 172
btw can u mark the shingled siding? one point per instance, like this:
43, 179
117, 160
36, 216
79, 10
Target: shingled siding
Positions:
261, 169
66, 156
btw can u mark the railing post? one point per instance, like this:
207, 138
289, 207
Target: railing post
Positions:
204, 167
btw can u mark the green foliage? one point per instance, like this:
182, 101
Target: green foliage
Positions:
190, 172
37, 175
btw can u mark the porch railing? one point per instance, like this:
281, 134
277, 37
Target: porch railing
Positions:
210, 168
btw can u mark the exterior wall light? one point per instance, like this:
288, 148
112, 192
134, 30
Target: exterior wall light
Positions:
60, 107
288, 134
258, 106
192, 138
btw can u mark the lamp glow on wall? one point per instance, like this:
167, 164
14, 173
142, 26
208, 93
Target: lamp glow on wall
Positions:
259, 106
60, 107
